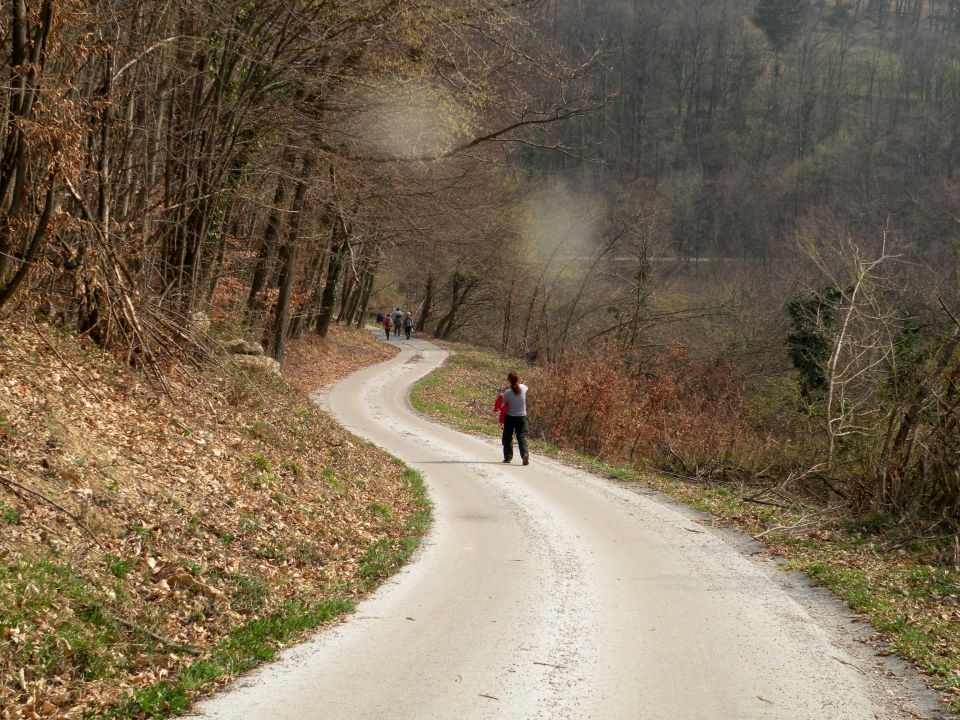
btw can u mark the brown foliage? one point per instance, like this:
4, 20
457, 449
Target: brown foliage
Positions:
666, 408
179, 517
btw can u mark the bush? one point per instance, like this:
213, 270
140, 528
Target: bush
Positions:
665, 409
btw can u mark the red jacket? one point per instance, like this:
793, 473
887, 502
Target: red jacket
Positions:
501, 407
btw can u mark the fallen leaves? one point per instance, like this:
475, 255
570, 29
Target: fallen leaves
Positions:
212, 508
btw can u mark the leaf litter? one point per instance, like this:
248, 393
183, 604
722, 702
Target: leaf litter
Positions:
138, 529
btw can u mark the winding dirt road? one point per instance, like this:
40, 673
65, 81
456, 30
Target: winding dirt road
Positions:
544, 592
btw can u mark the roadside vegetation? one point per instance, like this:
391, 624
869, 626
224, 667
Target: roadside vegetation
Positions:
732, 224
898, 576
156, 541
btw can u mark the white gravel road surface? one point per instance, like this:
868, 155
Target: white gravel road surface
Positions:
545, 592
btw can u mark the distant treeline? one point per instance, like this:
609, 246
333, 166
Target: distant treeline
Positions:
750, 121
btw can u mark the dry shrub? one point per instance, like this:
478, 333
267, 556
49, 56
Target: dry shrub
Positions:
663, 408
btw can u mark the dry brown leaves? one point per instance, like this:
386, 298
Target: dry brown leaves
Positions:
312, 363
181, 517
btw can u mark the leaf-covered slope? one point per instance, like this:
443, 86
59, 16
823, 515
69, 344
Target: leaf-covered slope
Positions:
141, 532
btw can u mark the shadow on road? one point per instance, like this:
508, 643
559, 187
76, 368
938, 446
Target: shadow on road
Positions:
460, 462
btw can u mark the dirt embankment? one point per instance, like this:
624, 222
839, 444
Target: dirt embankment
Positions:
153, 543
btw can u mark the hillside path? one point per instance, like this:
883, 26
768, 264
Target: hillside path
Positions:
546, 592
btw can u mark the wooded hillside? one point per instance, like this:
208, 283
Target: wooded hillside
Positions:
253, 160
743, 213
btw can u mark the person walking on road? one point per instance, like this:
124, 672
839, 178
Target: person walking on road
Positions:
387, 325
407, 325
397, 321
515, 422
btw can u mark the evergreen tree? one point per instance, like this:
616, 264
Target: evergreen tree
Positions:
812, 316
780, 20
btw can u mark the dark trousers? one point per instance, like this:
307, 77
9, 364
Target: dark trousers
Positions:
514, 424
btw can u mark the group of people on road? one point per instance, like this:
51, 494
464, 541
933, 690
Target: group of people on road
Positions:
511, 402
393, 321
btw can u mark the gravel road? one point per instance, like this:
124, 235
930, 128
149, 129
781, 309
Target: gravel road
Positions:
545, 592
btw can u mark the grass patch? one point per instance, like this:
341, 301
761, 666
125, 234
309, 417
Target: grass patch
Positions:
55, 621
899, 602
119, 567
10, 515
385, 556
252, 643
462, 391
261, 463
382, 510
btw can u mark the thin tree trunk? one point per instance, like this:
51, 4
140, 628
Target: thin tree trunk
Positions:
260, 274
288, 253
427, 304
346, 289
33, 249
328, 299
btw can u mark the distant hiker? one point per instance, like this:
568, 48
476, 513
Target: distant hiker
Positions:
379, 317
397, 321
515, 400
387, 325
407, 325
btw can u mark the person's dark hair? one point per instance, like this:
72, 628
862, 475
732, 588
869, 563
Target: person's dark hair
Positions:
514, 382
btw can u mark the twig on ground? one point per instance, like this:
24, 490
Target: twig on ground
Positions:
60, 357
190, 650
804, 522
758, 501
14, 484
916, 538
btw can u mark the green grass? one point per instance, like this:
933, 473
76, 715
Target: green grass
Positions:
380, 509
61, 619
249, 592
261, 463
252, 643
891, 611
332, 480
467, 405
384, 556
119, 567
9, 515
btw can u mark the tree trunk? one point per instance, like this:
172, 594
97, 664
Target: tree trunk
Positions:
328, 300
259, 282
365, 296
508, 314
461, 286
347, 289
427, 304
27, 61
288, 252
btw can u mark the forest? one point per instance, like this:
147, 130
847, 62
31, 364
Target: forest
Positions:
735, 225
